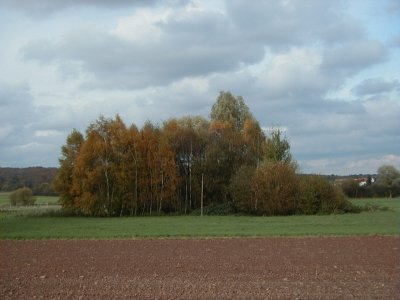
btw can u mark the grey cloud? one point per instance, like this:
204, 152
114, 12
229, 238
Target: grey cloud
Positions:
373, 86
39, 8
17, 112
203, 43
30, 153
118, 63
281, 23
344, 29
368, 127
29, 134
395, 41
393, 6
272, 21
331, 129
15, 104
352, 57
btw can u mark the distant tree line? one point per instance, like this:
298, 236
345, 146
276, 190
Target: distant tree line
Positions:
386, 183
38, 179
116, 170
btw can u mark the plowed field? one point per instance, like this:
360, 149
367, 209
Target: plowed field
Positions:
302, 268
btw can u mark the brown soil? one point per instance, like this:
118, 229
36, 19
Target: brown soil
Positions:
302, 268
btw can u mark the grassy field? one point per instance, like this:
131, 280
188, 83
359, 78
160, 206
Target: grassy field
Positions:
14, 225
50, 200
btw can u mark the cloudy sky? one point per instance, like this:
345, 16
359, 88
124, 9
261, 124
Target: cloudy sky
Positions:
326, 72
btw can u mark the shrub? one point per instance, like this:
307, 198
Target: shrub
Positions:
219, 209
241, 189
22, 196
216, 209
319, 196
276, 188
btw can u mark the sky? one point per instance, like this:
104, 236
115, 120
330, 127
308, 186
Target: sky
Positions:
325, 72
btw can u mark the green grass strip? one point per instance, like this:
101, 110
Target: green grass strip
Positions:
14, 225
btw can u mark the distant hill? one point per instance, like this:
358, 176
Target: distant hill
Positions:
39, 179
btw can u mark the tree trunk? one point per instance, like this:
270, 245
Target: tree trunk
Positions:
190, 174
186, 195
202, 194
136, 190
190, 187
151, 194
122, 208
162, 191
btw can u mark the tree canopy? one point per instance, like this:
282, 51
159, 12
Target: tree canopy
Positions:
230, 109
115, 170
389, 178
277, 148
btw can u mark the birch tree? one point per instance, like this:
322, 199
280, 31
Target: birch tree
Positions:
64, 177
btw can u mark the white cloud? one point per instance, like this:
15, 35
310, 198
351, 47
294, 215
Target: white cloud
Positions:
47, 133
288, 73
143, 27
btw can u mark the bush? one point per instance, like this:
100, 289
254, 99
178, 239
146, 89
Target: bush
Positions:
276, 188
22, 196
216, 209
241, 189
349, 207
319, 196
219, 209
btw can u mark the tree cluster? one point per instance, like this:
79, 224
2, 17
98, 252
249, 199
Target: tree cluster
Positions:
115, 170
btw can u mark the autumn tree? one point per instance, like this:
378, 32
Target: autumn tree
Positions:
148, 150
167, 176
254, 141
64, 177
133, 162
100, 181
122, 167
91, 178
187, 138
